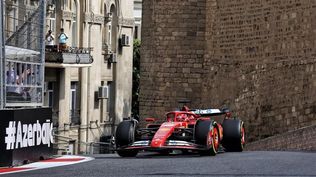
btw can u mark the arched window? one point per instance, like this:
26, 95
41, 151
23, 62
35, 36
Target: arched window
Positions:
65, 5
85, 6
51, 16
104, 33
74, 23
112, 34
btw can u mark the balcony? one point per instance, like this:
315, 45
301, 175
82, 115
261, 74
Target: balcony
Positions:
69, 57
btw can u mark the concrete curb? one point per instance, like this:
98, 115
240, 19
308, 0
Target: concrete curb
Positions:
50, 163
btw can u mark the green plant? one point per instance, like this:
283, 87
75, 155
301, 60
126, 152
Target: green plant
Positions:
136, 77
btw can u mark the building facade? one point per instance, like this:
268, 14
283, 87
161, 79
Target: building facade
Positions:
255, 57
138, 18
88, 82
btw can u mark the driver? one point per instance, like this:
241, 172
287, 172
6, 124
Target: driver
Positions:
182, 117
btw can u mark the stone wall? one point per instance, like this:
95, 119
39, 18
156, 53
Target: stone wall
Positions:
256, 57
172, 53
301, 139
260, 62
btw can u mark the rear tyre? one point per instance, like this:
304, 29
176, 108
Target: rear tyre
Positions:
207, 135
124, 136
234, 135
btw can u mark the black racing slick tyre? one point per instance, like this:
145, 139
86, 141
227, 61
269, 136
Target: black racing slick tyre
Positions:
233, 135
124, 136
125, 133
205, 134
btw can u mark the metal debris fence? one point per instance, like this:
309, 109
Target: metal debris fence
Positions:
22, 60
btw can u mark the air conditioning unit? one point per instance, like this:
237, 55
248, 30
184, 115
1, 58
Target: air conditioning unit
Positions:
113, 58
103, 92
125, 40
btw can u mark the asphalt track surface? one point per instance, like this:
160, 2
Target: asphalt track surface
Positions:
248, 164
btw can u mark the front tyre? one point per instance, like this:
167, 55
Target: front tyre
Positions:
207, 135
125, 133
125, 136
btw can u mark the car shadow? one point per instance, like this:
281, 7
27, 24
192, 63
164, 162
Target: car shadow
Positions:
149, 155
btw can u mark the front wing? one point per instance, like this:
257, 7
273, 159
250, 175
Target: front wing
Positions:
170, 144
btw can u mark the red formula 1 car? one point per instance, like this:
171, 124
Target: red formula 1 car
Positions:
186, 130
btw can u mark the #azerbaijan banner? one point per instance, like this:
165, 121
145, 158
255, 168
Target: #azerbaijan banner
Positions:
25, 135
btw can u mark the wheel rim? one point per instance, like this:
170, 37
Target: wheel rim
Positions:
215, 139
212, 140
242, 135
131, 135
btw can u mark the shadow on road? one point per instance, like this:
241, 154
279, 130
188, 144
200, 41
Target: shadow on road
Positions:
149, 155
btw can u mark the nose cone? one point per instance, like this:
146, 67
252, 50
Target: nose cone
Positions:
156, 143
163, 133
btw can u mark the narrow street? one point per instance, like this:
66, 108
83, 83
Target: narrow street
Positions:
249, 163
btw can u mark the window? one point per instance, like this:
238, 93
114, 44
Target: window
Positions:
74, 104
23, 84
51, 16
113, 29
74, 24
50, 92
15, 23
136, 32
65, 5
110, 36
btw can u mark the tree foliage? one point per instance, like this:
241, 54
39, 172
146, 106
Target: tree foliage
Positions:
136, 77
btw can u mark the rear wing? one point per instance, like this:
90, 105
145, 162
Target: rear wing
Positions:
210, 112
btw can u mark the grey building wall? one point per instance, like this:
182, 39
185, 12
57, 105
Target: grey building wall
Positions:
100, 25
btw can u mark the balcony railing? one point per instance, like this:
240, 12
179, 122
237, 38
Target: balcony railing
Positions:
70, 55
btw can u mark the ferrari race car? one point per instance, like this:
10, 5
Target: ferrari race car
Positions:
186, 130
